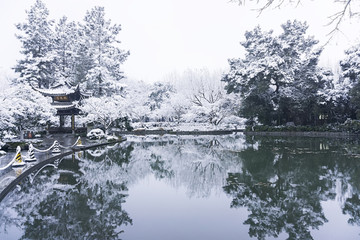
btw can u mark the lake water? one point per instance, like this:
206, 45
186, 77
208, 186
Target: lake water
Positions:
183, 187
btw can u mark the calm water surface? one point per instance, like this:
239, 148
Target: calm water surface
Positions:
169, 187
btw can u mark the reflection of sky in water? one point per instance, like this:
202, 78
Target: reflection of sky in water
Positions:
337, 227
168, 213
222, 187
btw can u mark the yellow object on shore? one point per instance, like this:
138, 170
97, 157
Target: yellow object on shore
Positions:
18, 159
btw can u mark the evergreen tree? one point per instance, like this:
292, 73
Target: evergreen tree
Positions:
278, 77
103, 56
334, 103
66, 40
159, 93
350, 67
37, 41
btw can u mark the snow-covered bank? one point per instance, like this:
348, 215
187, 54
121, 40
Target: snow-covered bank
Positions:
173, 126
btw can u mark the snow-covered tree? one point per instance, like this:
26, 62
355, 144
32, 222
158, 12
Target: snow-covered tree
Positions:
200, 97
350, 64
103, 110
350, 67
24, 108
252, 76
334, 102
210, 107
135, 95
100, 45
7, 120
66, 38
30, 108
37, 44
158, 94
86, 53
277, 79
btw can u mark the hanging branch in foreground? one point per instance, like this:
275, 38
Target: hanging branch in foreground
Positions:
338, 17
269, 3
335, 19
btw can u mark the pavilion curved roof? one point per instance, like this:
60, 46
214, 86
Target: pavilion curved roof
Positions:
60, 90
54, 92
63, 106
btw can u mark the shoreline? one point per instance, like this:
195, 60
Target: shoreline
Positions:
180, 132
162, 132
50, 160
249, 133
302, 134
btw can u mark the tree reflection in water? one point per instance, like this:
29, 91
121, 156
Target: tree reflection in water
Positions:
284, 181
68, 203
280, 181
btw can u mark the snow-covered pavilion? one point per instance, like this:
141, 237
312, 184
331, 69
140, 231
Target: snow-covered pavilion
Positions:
65, 99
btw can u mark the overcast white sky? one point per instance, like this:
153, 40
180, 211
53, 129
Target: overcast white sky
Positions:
172, 35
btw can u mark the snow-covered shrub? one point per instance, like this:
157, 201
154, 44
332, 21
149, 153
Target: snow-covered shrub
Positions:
96, 133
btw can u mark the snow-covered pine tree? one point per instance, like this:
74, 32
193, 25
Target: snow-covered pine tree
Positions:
255, 76
159, 93
299, 93
277, 79
100, 45
66, 38
350, 67
350, 64
36, 38
334, 101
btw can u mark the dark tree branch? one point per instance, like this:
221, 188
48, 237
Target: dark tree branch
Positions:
338, 17
335, 19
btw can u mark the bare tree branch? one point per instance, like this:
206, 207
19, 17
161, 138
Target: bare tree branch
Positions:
335, 19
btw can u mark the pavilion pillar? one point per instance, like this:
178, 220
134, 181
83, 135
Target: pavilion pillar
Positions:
73, 124
62, 121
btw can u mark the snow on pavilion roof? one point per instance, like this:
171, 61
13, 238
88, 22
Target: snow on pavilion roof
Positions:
59, 90
63, 106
